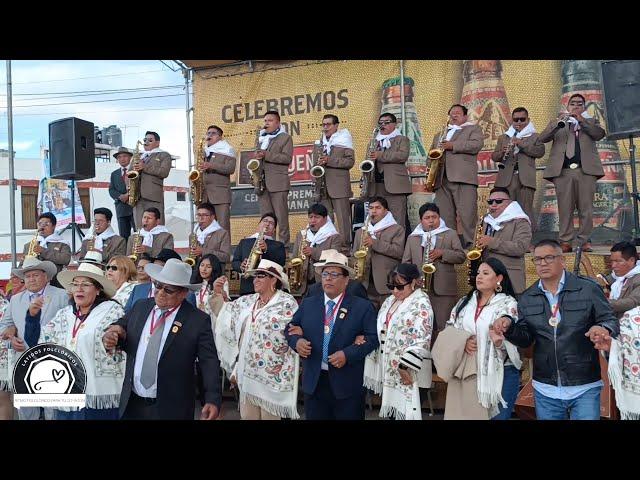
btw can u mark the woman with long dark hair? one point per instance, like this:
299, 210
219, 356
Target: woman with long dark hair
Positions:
470, 346
207, 270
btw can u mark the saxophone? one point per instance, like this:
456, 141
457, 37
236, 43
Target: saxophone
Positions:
317, 172
91, 238
134, 177
196, 176
31, 252
435, 156
428, 268
137, 241
367, 166
255, 255
361, 262
193, 244
508, 153
476, 252
256, 169
298, 265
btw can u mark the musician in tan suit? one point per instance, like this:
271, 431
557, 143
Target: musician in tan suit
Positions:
154, 167
507, 235
320, 235
211, 237
457, 184
518, 173
391, 179
445, 253
219, 166
50, 246
155, 237
105, 240
337, 160
573, 167
385, 240
276, 151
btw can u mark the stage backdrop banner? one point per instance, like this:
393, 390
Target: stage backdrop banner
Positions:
55, 196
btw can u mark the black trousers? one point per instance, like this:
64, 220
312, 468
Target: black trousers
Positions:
140, 408
323, 405
125, 225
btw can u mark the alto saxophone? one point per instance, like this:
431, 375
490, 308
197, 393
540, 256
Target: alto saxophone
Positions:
196, 176
428, 268
367, 166
361, 255
31, 252
91, 238
256, 169
134, 177
193, 244
298, 265
317, 172
137, 241
476, 252
255, 255
436, 159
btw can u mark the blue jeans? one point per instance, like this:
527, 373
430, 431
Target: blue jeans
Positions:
510, 389
88, 414
584, 407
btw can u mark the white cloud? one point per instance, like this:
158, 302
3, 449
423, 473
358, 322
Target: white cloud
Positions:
18, 146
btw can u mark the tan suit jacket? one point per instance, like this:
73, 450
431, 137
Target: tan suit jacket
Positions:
217, 181
530, 149
111, 247
219, 244
160, 241
461, 163
334, 242
509, 246
56, 252
393, 163
444, 279
276, 163
629, 297
384, 254
589, 133
336, 174
152, 177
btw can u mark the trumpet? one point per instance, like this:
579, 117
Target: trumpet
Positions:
137, 241
435, 162
193, 244
367, 166
256, 169
562, 121
510, 147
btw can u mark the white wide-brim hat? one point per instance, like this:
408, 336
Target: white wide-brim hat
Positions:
333, 258
174, 272
33, 263
93, 257
88, 270
273, 269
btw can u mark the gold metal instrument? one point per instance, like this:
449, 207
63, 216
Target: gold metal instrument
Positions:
196, 176
136, 242
367, 166
256, 169
193, 244
476, 252
428, 267
317, 172
134, 177
91, 238
255, 255
361, 255
436, 158
298, 265
31, 252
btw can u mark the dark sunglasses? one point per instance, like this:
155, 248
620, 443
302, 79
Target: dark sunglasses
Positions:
261, 275
384, 122
519, 119
113, 268
168, 290
496, 201
393, 286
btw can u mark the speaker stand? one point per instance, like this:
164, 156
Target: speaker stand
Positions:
73, 226
635, 197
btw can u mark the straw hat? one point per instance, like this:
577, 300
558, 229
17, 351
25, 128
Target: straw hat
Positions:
34, 263
333, 258
174, 272
273, 269
89, 270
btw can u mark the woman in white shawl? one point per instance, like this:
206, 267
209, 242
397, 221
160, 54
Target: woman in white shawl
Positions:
252, 348
79, 327
497, 360
405, 323
122, 272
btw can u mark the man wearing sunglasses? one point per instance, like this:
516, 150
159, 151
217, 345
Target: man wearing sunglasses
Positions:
573, 167
219, 165
520, 145
507, 235
390, 171
456, 187
105, 239
163, 337
154, 167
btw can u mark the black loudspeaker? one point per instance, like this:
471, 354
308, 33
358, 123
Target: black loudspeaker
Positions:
621, 85
72, 150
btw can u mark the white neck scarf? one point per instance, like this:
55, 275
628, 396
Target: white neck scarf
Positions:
99, 239
386, 139
342, 138
324, 232
574, 121
524, 133
265, 138
616, 287
202, 234
433, 233
623, 363
255, 235
222, 147
54, 237
513, 211
148, 236
387, 221
452, 129
145, 154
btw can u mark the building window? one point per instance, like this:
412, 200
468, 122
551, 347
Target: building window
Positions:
181, 196
29, 207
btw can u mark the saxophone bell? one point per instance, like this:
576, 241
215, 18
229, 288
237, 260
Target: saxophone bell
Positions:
366, 166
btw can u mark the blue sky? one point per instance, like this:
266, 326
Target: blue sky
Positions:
103, 92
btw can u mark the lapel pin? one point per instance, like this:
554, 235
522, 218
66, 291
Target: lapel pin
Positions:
174, 329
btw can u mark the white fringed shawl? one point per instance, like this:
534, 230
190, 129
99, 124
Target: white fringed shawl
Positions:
5, 375
624, 365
